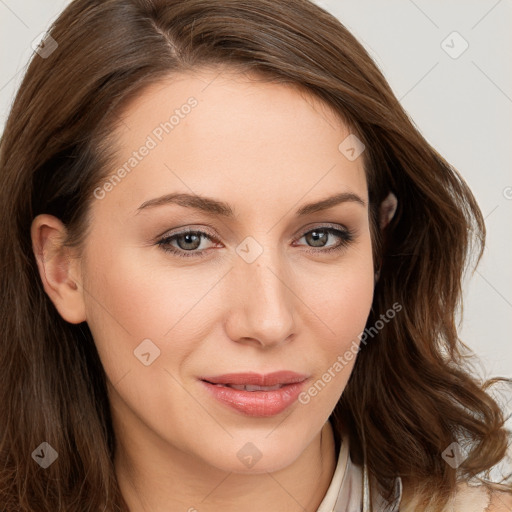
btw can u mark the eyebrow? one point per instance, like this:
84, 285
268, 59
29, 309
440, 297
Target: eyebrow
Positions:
220, 208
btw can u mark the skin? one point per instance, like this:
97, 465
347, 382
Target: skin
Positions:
266, 149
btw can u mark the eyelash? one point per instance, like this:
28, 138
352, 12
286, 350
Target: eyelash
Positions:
346, 236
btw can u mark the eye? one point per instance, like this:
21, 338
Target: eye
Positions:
318, 237
188, 242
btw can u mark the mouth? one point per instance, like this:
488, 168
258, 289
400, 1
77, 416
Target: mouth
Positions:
255, 394
268, 380
249, 387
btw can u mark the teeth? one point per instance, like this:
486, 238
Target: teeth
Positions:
250, 387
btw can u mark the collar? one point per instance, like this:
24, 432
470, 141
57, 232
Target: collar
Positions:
345, 490
349, 487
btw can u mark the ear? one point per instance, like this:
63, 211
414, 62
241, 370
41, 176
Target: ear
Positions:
59, 270
387, 210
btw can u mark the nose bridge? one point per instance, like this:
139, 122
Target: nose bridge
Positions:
264, 300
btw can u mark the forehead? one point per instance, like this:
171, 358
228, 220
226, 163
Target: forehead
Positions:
212, 132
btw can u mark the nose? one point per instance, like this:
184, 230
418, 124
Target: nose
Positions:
261, 303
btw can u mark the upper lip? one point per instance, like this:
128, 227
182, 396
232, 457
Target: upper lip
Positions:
257, 379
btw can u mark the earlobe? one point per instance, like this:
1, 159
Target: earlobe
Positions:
387, 210
59, 271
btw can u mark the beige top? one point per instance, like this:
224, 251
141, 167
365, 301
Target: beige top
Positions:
348, 493
346, 489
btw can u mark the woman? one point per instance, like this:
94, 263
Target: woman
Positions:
231, 267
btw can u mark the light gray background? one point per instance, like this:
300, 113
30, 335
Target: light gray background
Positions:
463, 107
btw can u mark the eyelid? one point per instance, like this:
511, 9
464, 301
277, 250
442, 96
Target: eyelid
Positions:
325, 225
188, 228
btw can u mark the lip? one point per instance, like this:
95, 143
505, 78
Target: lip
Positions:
257, 379
256, 403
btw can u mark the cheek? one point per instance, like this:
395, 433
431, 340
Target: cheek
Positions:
133, 295
341, 308
134, 292
126, 303
344, 300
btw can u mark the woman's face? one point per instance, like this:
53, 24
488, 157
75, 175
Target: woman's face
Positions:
257, 288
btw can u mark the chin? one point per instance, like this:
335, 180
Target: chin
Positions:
265, 452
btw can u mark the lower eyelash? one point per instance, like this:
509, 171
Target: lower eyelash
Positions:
346, 237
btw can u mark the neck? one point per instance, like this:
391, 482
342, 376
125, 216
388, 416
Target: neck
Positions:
159, 481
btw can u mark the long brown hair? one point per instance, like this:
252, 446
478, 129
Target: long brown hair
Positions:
411, 392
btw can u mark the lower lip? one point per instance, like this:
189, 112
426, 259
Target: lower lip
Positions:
257, 403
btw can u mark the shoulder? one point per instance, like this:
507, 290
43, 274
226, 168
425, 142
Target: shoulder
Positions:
470, 498
500, 502
480, 498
